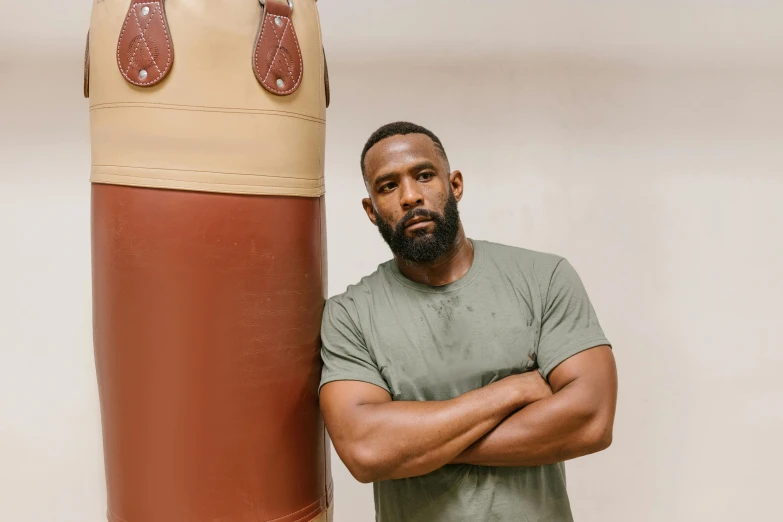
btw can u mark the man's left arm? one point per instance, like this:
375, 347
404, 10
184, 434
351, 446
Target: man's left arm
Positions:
575, 357
575, 421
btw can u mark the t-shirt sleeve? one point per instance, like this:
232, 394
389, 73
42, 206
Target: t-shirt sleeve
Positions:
343, 352
569, 323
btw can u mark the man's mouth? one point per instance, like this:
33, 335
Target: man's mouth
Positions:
417, 222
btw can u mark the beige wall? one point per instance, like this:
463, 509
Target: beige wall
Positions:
663, 186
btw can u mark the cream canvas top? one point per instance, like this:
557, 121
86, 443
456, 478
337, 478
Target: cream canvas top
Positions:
209, 125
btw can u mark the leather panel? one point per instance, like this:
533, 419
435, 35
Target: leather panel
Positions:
206, 321
209, 126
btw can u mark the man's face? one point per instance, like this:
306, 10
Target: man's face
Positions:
413, 198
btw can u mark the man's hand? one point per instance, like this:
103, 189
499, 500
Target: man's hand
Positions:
535, 388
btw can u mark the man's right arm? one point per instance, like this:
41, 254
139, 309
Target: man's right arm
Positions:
381, 439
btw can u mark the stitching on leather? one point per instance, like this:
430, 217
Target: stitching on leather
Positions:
307, 516
195, 170
268, 19
135, 50
320, 185
190, 185
278, 38
167, 37
166, 33
258, 46
282, 115
279, 42
119, 43
144, 37
226, 110
248, 189
312, 507
301, 64
315, 505
239, 110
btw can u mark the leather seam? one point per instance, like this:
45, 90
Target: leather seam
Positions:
199, 108
311, 506
309, 516
249, 190
196, 170
216, 111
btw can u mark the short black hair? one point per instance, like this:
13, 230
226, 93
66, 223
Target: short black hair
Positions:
400, 128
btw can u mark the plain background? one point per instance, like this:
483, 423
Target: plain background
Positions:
641, 139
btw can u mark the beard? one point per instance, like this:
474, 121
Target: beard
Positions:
423, 246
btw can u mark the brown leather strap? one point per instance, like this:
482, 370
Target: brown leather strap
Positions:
326, 82
87, 67
277, 59
144, 51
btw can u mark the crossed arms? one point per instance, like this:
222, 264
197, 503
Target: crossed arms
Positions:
518, 421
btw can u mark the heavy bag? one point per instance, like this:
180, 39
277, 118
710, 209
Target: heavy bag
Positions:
207, 127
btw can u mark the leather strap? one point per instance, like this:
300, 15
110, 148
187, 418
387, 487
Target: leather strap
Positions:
277, 59
144, 50
87, 66
326, 81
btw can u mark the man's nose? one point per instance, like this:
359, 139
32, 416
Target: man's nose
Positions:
411, 196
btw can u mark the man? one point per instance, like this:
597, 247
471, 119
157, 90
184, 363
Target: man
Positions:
428, 387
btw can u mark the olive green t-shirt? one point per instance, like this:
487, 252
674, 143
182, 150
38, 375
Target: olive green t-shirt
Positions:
515, 310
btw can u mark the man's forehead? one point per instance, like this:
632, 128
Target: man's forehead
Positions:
397, 152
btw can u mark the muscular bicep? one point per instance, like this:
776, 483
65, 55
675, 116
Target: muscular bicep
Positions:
595, 372
586, 384
340, 404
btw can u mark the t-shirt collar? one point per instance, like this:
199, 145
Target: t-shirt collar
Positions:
475, 270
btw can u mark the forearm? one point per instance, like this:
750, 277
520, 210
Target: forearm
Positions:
564, 426
404, 439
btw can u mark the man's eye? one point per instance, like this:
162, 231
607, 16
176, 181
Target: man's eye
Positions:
426, 175
387, 187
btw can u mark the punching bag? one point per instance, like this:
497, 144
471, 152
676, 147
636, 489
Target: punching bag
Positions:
207, 124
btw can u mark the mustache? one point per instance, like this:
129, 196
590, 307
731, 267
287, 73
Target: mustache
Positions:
418, 212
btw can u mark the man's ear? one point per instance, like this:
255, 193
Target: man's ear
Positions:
368, 208
456, 182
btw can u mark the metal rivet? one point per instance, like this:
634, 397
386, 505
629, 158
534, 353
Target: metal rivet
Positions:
280, 83
145, 11
142, 74
278, 21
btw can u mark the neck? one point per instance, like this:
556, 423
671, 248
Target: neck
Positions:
449, 267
